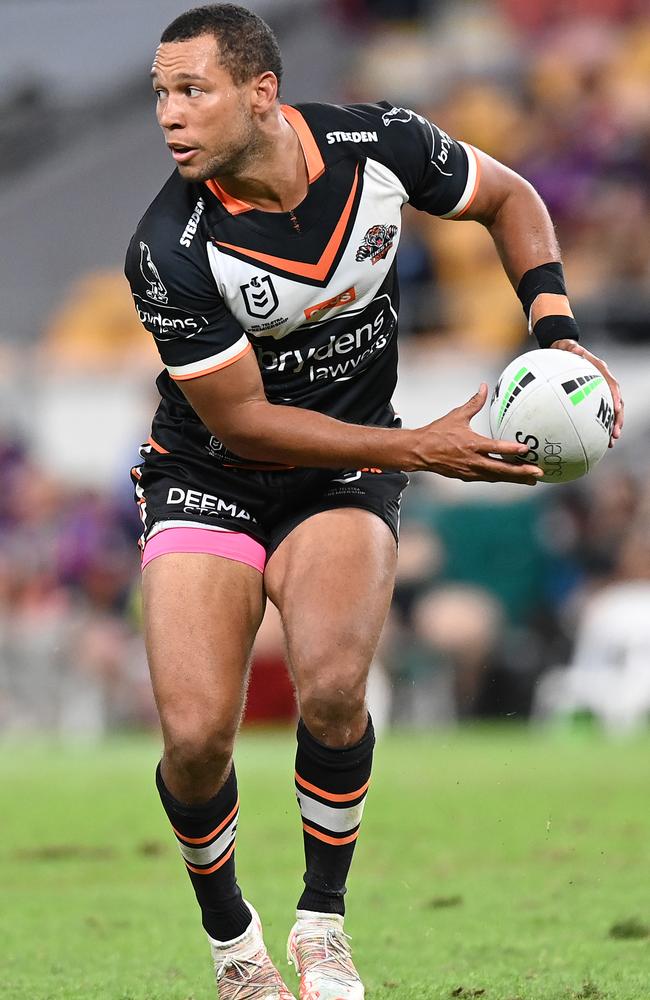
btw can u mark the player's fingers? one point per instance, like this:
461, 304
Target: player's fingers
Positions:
588, 356
490, 446
575, 348
619, 411
487, 476
515, 469
568, 345
508, 472
619, 415
615, 389
475, 403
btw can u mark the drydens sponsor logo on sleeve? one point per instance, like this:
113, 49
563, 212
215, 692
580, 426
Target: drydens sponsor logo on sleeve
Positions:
168, 322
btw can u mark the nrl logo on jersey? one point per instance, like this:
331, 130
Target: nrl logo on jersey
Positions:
260, 297
156, 289
376, 243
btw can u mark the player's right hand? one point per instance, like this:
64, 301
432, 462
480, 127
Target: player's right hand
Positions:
450, 447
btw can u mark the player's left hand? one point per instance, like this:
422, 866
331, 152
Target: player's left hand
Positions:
575, 348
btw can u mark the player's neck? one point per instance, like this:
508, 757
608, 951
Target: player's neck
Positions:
276, 177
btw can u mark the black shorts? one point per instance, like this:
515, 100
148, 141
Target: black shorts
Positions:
265, 505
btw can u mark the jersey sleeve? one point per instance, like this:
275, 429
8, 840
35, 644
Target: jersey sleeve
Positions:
440, 174
178, 302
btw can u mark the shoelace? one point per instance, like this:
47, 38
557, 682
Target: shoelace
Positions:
327, 948
263, 972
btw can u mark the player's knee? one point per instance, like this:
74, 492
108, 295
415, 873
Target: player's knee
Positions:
332, 701
194, 749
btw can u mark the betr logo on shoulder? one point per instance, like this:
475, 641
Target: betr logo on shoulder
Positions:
441, 143
403, 115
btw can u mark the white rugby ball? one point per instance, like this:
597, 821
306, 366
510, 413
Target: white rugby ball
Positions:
559, 405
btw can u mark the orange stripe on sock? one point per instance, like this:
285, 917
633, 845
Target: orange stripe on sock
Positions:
330, 840
331, 796
208, 871
218, 829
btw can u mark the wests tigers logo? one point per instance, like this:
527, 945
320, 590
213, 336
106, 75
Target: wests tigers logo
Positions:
376, 243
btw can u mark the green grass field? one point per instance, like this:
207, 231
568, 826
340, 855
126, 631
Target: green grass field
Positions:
494, 864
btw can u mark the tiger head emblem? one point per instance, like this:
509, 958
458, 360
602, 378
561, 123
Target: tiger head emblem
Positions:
376, 243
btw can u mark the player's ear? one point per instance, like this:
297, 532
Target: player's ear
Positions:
264, 92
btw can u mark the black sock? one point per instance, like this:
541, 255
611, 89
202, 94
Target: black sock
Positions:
331, 787
206, 837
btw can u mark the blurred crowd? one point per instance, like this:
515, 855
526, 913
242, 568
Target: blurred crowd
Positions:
71, 657
490, 595
557, 91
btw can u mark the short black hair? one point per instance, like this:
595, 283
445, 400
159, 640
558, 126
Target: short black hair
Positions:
247, 46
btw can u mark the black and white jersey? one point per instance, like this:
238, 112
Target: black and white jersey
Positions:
312, 292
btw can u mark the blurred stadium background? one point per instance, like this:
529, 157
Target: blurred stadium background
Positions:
499, 588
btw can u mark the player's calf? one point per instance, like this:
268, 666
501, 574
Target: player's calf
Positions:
331, 787
206, 836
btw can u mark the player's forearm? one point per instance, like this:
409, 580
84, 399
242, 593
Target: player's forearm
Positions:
523, 233
295, 436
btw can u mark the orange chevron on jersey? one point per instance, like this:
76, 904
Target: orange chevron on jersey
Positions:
319, 270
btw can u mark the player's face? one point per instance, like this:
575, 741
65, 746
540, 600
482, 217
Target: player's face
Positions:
206, 118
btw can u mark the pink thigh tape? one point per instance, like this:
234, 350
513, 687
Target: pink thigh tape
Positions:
228, 544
